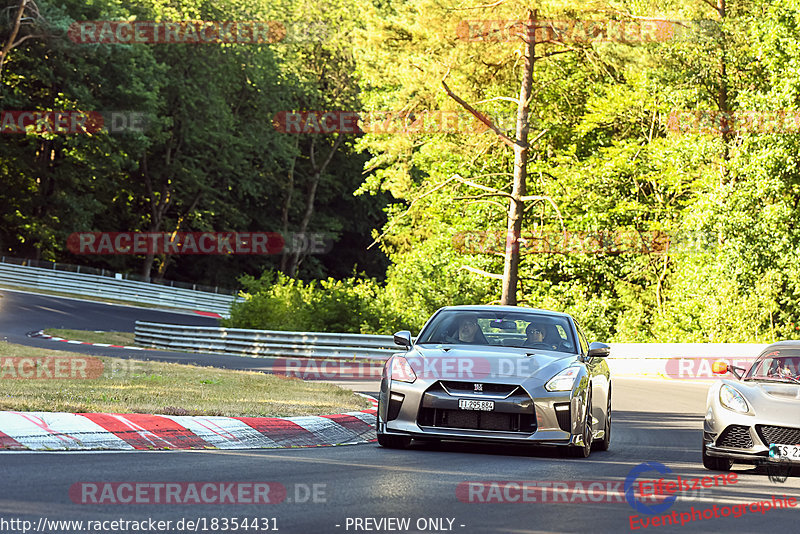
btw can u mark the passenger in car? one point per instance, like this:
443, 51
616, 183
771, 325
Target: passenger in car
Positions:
469, 331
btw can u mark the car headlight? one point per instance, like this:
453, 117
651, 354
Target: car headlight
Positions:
732, 399
399, 369
563, 381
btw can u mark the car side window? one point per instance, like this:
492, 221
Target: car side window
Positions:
582, 340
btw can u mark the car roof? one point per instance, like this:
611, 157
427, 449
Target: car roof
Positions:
491, 307
789, 343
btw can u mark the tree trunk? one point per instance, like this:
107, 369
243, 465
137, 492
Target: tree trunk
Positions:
10, 42
158, 207
285, 212
516, 205
296, 255
723, 103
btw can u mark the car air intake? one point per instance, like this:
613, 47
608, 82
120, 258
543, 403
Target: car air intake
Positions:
736, 436
564, 416
476, 420
395, 403
778, 434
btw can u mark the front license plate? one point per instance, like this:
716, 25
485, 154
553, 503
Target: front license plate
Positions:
484, 406
785, 452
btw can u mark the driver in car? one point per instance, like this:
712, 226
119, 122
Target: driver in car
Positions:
785, 369
535, 334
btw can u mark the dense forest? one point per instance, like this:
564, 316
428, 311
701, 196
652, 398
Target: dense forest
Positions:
662, 187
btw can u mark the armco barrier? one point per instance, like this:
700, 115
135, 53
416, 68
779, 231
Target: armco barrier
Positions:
627, 359
265, 343
108, 287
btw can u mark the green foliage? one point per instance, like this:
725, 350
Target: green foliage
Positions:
606, 159
209, 159
277, 302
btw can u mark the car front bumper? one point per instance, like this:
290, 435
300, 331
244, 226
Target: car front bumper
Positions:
423, 410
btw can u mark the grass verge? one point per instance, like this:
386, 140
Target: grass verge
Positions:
89, 336
36, 379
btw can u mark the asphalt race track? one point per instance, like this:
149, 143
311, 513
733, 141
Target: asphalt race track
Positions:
365, 488
21, 313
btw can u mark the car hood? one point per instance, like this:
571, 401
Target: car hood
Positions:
467, 362
771, 399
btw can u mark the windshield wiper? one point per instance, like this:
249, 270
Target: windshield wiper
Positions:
794, 380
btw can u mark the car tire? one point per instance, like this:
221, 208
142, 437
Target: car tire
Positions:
393, 442
605, 443
715, 463
575, 451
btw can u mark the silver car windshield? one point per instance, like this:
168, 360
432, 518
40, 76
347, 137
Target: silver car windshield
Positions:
492, 328
781, 365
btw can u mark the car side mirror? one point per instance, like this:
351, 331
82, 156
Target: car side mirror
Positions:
403, 338
720, 368
598, 350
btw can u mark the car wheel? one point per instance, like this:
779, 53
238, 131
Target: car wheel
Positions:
605, 443
583, 452
393, 442
715, 463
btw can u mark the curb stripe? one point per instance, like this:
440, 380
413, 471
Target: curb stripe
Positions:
41, 334
327, 431
224, 432
7, 442
284, 432
144, 431
130, 432
350, 423
64, 431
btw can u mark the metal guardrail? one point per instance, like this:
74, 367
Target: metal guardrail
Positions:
265, 343
108, 287
626, 359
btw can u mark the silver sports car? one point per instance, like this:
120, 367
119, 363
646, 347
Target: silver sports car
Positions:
756, 417
497, 373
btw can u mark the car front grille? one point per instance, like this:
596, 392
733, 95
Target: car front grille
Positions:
476, 420
513, 408
468, 388
736, 436
778, 434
